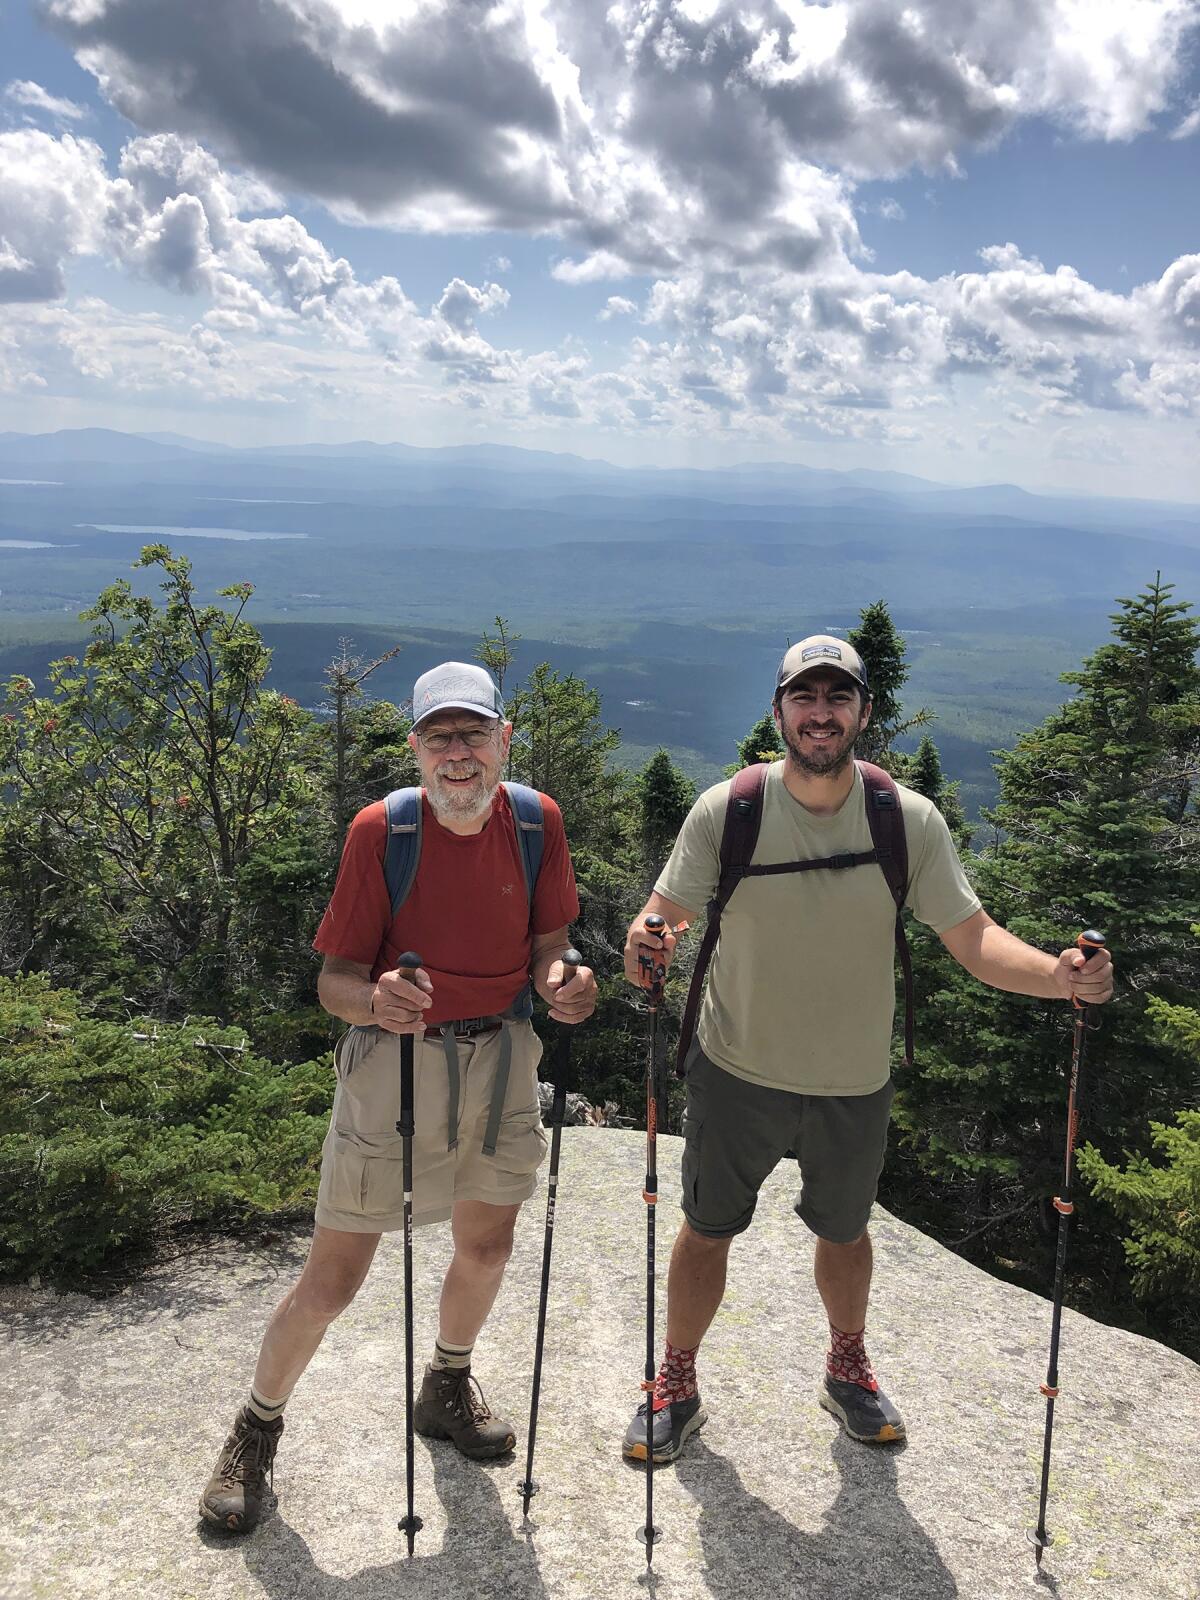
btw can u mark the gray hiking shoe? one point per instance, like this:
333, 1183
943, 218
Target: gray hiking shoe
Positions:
451, 1406
232, 1498
870, 1417
674, 1424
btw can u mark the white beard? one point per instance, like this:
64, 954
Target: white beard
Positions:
450, 804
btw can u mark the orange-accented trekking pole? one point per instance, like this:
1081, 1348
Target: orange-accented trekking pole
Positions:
407, 967
1089, 943
571, 960
654, 970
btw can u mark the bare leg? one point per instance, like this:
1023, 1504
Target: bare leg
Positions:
695, 1286
483, 1236
843, 1274
333, 1274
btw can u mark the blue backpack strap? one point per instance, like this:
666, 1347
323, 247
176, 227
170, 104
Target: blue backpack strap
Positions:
402, 851
526, 807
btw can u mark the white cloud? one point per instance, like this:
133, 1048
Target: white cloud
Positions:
22, 92
647, 133
1189, 125
461, 303
616, 306
52, 208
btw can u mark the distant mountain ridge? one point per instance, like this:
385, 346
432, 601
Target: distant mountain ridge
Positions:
537, 474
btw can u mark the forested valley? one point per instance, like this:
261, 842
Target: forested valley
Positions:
171, 832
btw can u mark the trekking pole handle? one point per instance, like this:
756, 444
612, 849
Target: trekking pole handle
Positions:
407, 965
571, 963
1089, 942
656, 927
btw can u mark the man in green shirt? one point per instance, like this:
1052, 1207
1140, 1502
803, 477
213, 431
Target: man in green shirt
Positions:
792, 1049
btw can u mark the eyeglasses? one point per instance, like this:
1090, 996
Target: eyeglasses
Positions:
473, 738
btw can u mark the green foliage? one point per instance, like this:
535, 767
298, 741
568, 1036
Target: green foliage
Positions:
923, 772
151, 792
762, 743
1157, 1195
883, 651
1096, 827
664, 798
1161, 1205
111, 1133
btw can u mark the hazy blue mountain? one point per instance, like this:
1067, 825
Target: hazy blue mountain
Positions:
674, 591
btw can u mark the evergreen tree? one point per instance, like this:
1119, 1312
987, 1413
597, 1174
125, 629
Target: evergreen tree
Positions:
923, 772
883, 650
762, 743
1096, 826
664, 798
1157, 1197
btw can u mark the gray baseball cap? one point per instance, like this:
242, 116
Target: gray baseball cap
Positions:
456, 686
821, 650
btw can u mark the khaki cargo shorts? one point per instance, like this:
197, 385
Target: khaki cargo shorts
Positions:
362, 1183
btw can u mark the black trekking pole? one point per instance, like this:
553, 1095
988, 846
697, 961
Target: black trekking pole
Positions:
407, 967
1089, 943
656, 969
562, 1060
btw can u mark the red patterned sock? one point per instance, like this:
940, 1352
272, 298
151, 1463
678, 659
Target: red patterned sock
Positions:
846, 1359
676, 1377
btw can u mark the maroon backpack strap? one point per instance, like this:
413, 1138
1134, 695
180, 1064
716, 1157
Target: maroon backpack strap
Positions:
743, 817
886, 821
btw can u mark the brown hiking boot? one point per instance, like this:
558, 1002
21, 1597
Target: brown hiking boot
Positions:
451, 1406
232, 1499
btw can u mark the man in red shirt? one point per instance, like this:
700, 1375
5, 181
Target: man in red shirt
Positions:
478, 1140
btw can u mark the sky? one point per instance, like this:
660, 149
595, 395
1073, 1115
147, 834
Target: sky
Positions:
959, 238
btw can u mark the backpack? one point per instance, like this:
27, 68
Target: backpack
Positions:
743, 817
402, 854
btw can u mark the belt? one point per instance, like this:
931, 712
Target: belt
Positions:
470, 1028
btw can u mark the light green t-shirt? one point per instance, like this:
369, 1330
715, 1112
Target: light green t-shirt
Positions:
801, 993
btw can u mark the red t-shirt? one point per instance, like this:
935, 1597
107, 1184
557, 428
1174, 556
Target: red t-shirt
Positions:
467, 914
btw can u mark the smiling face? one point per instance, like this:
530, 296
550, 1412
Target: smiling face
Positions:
461, 779
819, 717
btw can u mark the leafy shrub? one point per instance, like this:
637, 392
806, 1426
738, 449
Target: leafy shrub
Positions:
113, 1133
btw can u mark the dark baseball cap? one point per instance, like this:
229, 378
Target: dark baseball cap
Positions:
456, 686
821, 650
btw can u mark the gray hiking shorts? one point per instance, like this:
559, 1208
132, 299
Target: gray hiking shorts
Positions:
736, 1133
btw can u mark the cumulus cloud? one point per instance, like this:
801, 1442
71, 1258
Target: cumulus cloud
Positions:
52, 208
461, 303
650, 132
712, 151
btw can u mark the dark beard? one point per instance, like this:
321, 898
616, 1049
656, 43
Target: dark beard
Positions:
830, 767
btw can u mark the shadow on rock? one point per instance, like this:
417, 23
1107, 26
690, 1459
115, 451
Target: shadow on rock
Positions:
482, 1553
175, 1285
870, 1547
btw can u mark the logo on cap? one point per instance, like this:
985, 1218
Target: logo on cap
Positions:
830, 651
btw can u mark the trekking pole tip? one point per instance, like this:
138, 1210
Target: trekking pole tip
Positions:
1040, 1541
410, 1526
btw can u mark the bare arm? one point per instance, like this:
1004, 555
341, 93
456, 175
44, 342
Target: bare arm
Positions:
637, 939
568, 1002
345, 990
997, 957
